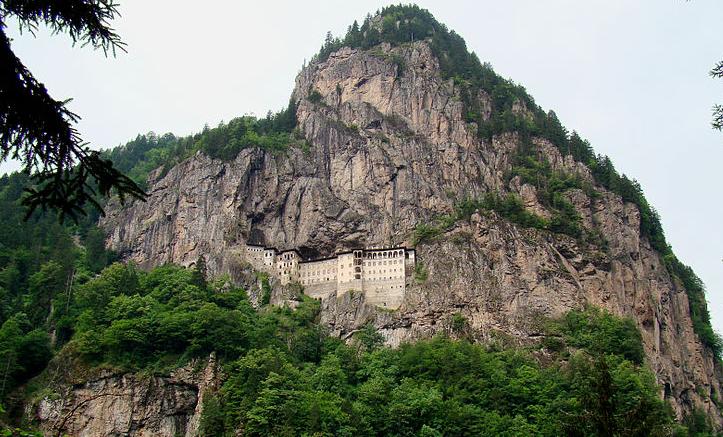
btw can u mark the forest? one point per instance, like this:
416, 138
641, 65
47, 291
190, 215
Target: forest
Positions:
63, 293
285, 374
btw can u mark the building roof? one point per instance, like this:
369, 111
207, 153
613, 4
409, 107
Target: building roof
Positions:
386, 249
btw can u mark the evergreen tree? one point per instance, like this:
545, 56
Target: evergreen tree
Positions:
38, 130
199, 274
717, 72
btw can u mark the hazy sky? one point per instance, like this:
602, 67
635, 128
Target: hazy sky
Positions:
631, 76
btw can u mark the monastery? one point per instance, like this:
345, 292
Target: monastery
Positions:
381, 274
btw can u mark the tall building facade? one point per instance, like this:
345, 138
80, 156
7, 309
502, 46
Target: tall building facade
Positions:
381, 274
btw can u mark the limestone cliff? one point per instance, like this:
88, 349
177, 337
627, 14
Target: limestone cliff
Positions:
127, 404
390, 149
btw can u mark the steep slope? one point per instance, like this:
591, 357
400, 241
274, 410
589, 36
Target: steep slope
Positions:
390, 147
129, 403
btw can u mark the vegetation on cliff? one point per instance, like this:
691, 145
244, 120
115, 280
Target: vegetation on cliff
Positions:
514, 111
286, 376
139, 157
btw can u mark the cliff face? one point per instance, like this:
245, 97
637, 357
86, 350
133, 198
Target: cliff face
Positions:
129, 404
389, 149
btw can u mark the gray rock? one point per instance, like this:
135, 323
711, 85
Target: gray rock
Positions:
390, 149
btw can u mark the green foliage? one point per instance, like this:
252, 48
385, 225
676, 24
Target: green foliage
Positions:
212, 418
148, 152
459, 323
284, 376
199, 274
265, 288
133, 318
551, 186
315, 97
617, 398
420, 272
6, 431
698, 424
599, 332
717, 123
39, 131
509, 207
438, 387
424, 232
24, 352
514, 111
40, 259
696, 302
368, 338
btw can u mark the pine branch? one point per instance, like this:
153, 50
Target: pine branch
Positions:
39, 130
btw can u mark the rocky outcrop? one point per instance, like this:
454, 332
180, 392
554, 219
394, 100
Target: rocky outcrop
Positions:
130, 404
389, 149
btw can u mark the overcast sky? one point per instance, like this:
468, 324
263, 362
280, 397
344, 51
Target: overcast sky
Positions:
631, 76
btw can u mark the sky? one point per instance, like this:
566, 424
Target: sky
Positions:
630, 76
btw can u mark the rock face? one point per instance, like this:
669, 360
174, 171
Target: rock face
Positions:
130, 405
389, 149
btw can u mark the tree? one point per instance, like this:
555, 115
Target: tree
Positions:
368, 338
198, 274
96, 254
39, 130
717, 72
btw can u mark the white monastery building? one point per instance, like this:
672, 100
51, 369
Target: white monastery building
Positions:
381, 274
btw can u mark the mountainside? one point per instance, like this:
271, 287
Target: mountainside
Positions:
393, 146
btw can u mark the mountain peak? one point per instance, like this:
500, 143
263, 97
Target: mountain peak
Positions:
397, 135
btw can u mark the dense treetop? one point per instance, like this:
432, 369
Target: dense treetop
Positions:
286, 376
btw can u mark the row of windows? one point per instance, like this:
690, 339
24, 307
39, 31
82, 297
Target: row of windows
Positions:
381, 271
380, 263
332, 272
389, 254
380, 278
383, 278
317, 273
313, 280
321, 280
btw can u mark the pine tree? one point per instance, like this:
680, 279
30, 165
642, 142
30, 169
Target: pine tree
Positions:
198, 275
38, 130
717, 72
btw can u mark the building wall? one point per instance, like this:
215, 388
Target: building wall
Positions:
380, 274
255, 256
385, 273
387, 293
287, 266
315, 273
